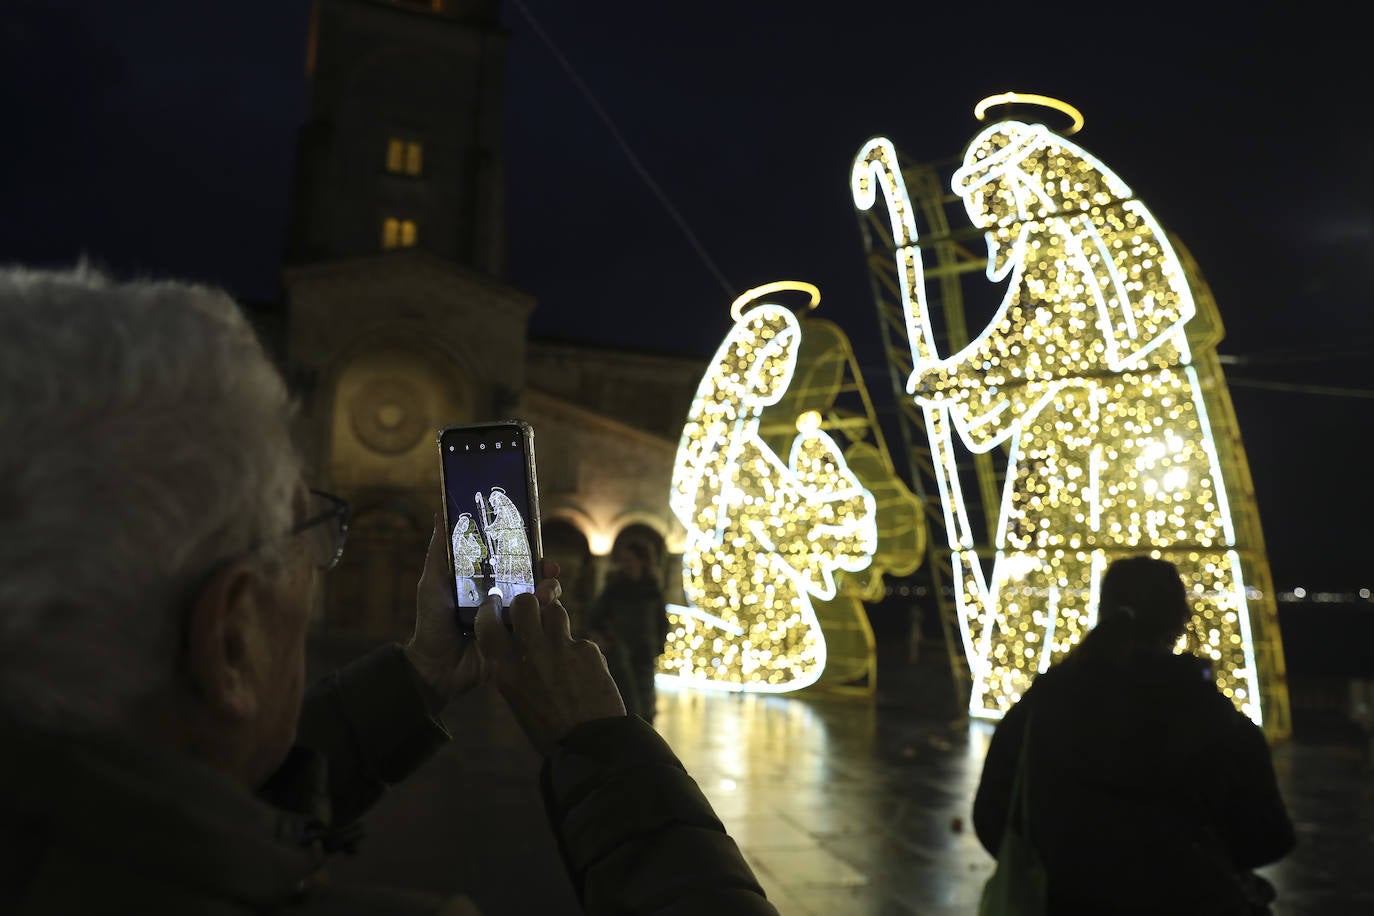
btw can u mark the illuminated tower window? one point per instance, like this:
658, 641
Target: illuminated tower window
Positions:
398, 233
404, 157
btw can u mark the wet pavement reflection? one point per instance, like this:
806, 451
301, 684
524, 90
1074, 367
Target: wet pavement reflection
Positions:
863, 807
842, 805
836, 811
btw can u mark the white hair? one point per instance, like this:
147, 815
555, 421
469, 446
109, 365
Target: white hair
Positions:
144, 437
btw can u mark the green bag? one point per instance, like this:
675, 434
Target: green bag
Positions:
1018, 884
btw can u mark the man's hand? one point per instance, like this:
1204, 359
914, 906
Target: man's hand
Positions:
440, 653
552, 682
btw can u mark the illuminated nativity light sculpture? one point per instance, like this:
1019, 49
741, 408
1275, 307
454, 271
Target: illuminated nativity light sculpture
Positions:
491, 550
779, 551
1086, 376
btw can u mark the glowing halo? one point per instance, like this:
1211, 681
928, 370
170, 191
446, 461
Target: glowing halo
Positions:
1029, 98
748, 296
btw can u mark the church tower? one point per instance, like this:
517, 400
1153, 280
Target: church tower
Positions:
402, 148
398, 320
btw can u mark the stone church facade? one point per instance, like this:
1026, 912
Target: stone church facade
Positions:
399, 319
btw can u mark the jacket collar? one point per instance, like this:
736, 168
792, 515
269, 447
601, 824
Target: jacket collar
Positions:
154, 811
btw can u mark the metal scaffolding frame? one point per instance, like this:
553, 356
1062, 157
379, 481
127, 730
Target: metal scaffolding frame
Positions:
948, 261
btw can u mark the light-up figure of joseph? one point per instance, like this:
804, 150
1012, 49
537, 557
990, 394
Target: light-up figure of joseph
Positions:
1085, 374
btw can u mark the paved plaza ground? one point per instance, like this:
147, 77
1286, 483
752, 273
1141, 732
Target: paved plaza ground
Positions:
843, 805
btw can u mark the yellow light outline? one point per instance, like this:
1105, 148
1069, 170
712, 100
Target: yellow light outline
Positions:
777, 286
723, 436
1030, 98
876, 173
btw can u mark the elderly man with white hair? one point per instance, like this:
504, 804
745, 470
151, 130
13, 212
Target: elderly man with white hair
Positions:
159, 553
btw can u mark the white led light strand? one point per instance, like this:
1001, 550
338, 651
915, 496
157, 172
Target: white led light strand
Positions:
1085, 375
764, 535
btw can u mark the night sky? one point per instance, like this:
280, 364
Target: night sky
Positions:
157, 137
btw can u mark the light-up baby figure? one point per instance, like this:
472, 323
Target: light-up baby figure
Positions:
1085, 374
763, 533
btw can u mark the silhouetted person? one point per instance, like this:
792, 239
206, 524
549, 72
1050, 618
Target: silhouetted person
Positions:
159, 556
629, 621
1149, 791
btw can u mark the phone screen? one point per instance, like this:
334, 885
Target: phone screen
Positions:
491, 505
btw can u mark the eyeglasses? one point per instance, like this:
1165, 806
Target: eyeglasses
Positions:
326, 526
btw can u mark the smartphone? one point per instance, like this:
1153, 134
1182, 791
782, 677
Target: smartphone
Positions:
491, 513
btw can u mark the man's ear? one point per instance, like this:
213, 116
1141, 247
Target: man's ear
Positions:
221, 636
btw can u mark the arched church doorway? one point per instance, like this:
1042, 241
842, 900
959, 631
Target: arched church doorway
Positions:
387, 403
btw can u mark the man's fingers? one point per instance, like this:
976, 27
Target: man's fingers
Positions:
523, 615
548, 591
550, 569
492, 638
436, 557
556, 624
472, 670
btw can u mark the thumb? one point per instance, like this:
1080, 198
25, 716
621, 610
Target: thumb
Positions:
496, 643
436, 559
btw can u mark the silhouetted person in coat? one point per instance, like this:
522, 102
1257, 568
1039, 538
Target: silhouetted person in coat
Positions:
1149, 791
629, 621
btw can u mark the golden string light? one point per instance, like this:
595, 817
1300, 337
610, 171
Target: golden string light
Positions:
765, 534
1030, 98
1085, 376
777, 286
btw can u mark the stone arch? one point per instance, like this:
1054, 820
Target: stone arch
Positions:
385, 394
570, 510
644, 524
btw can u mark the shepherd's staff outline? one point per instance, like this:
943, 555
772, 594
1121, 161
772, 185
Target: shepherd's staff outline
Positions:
1086, 375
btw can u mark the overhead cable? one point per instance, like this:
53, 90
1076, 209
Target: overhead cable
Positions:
730, 289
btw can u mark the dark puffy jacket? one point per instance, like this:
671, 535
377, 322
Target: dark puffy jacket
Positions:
96, 826
1149, 792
